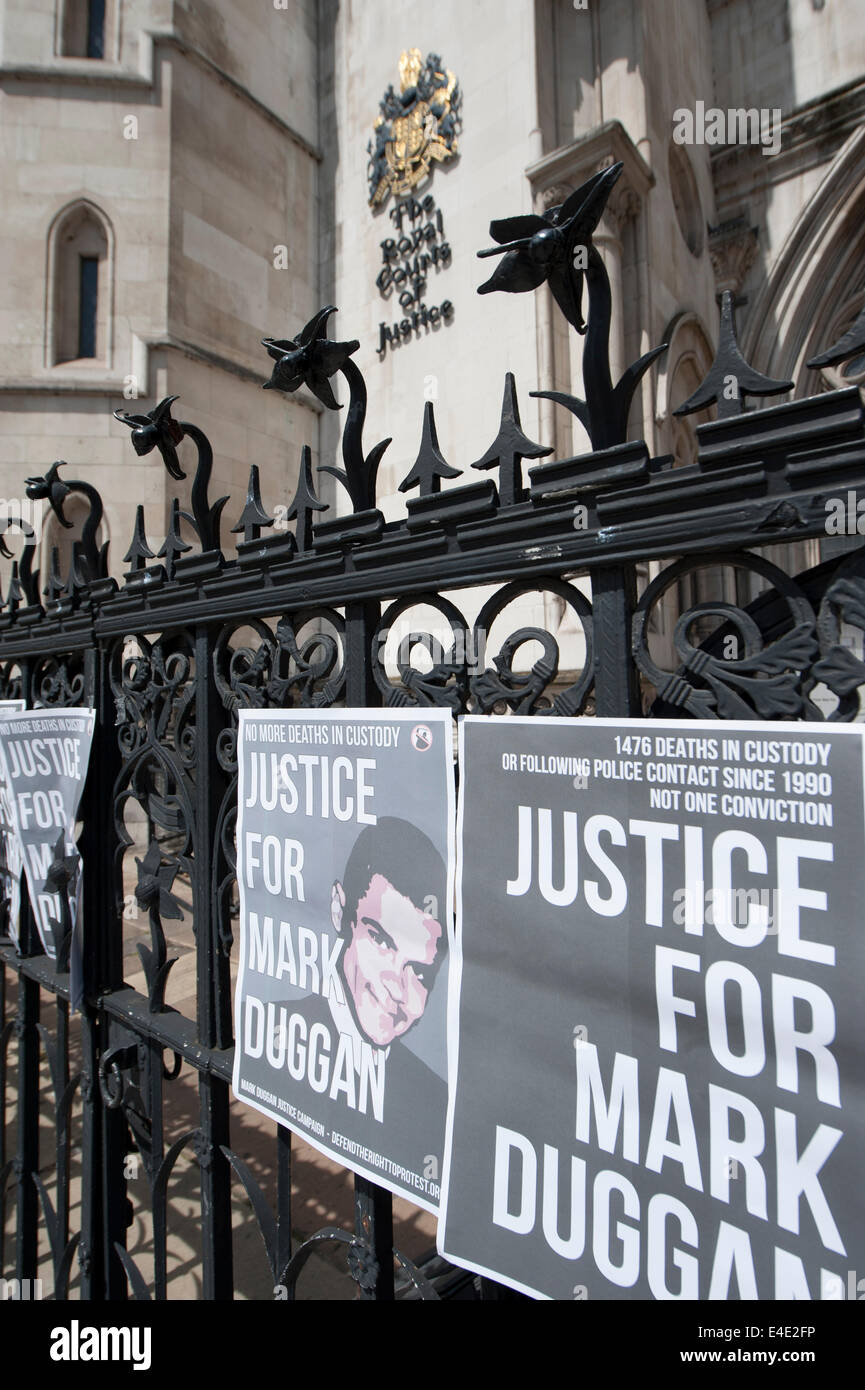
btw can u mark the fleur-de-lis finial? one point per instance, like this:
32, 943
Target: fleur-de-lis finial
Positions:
174, 544
139, 551
253, 516
305, 503
730, 378
430, 466
510, 447
848, 345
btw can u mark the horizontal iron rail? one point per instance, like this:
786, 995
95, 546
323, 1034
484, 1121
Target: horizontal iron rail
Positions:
172, 1029
38, 968
750, 488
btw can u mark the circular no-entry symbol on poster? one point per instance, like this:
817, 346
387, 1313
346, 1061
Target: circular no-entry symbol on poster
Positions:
421, 738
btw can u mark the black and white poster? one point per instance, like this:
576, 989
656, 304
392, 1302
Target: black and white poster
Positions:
656, 1009
345, 875
44, 755
11, 862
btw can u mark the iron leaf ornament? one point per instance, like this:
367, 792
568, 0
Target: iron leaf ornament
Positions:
542, 248
54, 586
153, 891
63, 867
62, 874
309, 360
155, 879
839, 668
52, 489
312, 359
29, 578
139, 551
14, 593
159, 430
174, 545
556, 248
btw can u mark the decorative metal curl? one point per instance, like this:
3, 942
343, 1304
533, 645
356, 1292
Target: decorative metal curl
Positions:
523, 692
283, 662
312, 661
765, 683
156, 780
55, 489
446, 683
263, 677
839, 668
53, 683
118, 1071
171, 1073
27, 578
10, 680
224, 875
154, 695
362, 1265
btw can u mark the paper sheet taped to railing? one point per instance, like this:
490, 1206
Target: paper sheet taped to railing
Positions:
45, 754
344, 868
656, 1009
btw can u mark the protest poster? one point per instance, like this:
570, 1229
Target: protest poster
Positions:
655, 1009
44, 758
345, 877
11, 862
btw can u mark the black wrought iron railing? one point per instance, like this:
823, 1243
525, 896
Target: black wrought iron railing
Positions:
348, 609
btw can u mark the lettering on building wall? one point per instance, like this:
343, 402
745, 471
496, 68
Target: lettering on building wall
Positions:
417, 249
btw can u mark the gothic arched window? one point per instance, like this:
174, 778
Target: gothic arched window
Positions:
80, 291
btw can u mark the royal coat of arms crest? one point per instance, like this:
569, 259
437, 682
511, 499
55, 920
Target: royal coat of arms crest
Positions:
418, 124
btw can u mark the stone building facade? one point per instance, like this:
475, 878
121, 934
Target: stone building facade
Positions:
178, 160
203, 180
